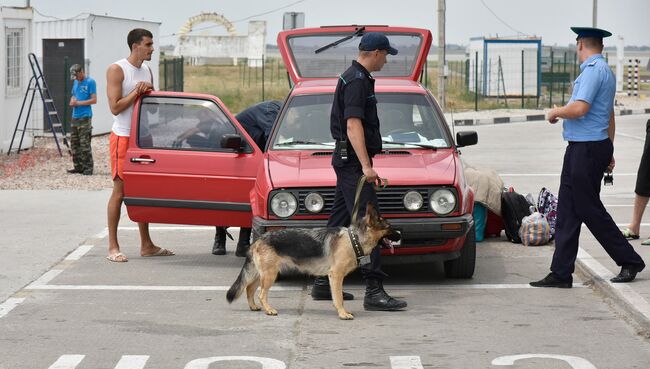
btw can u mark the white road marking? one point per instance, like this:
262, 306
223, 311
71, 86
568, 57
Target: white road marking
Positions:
405, 362
142, 288
132, 362
554, 174
574, 361
79, 252
176, 228
267, 363
624, 290
275, 288
102, 234
67, 362
9, 305
45, 278
630, 136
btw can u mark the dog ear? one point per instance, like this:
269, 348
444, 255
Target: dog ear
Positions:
371, 213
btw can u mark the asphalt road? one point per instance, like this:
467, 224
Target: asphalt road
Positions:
171, 312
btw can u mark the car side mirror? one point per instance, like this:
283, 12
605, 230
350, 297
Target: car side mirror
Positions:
231, 141
466, 138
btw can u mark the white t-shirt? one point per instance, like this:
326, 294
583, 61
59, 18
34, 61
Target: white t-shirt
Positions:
132, 75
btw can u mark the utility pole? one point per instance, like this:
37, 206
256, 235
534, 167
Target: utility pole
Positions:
594, 17
441, 54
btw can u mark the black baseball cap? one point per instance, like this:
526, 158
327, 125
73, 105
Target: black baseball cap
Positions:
376, 41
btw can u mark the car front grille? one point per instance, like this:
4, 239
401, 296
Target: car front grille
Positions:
390, 199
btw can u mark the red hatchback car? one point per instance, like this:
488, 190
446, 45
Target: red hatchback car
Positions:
193, 163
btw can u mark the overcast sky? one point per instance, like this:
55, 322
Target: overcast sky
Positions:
549, 19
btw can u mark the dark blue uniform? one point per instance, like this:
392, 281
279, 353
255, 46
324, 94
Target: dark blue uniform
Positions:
355, 98
587, 156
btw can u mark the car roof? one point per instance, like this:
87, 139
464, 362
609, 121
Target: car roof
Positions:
322, 86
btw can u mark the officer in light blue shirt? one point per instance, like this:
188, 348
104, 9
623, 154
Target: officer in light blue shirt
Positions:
589, 128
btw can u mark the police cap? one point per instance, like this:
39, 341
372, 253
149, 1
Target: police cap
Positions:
590, 32
376, 41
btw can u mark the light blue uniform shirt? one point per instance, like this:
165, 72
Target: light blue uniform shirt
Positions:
596, 85
82, 91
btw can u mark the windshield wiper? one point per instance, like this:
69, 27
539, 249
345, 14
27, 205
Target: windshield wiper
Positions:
289, 143
409, 143
357, 32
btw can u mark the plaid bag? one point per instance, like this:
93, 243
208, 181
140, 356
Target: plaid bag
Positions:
535, 230
547, 205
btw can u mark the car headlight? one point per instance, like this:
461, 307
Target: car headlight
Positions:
442, 201
413, 201
314, 202
284, 204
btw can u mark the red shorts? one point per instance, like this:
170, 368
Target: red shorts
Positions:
118, 146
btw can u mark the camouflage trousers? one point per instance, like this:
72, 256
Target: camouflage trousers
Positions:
82, 155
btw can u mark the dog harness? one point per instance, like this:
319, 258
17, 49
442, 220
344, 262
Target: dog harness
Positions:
358, 251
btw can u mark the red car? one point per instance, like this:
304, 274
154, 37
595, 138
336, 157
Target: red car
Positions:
194, 164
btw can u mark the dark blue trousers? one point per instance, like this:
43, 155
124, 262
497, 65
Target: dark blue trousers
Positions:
579, 202
341, 216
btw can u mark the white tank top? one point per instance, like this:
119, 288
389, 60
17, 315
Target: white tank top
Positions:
132, 75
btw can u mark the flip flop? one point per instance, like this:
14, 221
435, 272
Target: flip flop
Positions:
161, 252
646, 242
628, 234
117, 258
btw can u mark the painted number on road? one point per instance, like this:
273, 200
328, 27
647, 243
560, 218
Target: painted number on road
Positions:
574, 361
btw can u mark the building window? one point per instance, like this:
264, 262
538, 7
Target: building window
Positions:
15, 51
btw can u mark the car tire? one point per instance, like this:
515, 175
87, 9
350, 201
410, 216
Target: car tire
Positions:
463, 267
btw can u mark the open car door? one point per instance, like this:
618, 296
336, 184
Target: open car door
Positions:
188, 162
325, 52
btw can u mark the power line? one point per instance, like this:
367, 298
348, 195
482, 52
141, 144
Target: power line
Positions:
242, 19
501, 20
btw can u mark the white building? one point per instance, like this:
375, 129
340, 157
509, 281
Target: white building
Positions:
94, 40
495, 66
15, 43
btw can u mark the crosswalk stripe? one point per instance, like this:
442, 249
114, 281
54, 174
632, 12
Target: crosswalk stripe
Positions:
67, 362
132, 362
405, 362
9, 305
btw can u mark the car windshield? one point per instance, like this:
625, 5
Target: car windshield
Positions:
403, 119
330, 62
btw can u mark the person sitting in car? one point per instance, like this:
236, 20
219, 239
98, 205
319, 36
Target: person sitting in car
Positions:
207, 133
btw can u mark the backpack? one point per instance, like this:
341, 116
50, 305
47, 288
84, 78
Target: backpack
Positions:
514, 207
547, 205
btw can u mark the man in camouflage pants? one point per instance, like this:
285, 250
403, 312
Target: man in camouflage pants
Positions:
84, 94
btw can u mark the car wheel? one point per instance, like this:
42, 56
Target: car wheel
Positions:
463, 267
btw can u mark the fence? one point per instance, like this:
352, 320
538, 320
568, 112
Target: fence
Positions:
171, 71
263, 73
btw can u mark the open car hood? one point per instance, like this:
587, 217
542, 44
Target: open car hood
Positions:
298, 48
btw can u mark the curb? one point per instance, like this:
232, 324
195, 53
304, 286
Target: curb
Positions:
533, 117
622, 295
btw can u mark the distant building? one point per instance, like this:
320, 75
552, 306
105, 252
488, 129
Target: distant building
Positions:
15, 39
499, 68
95, 41
228, 49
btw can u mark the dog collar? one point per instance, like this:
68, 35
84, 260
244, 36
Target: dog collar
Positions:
358, 252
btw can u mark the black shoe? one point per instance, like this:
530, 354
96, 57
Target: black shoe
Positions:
321, 290
87, 173
627, 274
219, 247
551, 281
377, 299
244, 242
73, 171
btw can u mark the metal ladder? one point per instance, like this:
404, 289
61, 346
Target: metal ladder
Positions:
38, 83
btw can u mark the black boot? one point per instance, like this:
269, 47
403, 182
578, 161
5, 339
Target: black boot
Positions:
377, 299
244, 242
321, 290
219, 247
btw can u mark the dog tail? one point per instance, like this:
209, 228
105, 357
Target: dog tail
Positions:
246, 276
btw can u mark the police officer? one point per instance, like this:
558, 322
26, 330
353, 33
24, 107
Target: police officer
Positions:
589, 128
355, 126
84, 94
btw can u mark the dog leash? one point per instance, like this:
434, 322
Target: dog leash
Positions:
379, 185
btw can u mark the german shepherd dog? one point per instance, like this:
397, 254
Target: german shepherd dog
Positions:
315, 251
